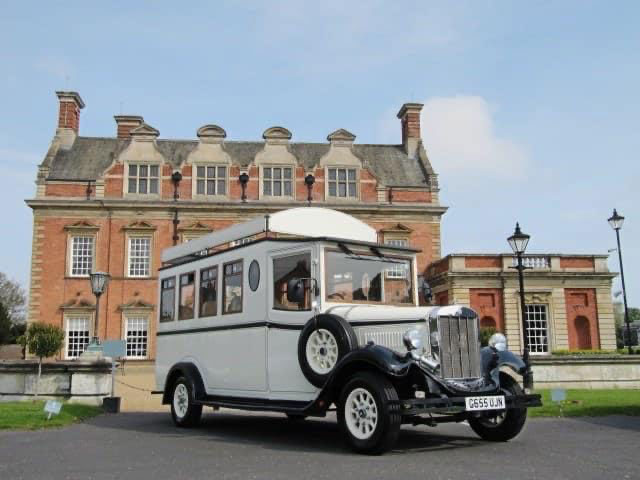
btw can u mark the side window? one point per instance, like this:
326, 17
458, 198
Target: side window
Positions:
209, 292
232, 288
187, 296
284, 269
167, 300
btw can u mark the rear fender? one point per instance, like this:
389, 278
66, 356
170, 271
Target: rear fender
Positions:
188, 370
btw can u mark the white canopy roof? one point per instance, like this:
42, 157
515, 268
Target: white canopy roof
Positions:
303, 221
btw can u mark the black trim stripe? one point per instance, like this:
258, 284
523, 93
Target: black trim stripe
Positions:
280, 326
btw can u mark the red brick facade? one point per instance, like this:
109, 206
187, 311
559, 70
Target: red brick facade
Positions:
483, 262
582, 318
488, 303
111, 216
576, 262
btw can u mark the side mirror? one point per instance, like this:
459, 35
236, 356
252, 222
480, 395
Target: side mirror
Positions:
295, 290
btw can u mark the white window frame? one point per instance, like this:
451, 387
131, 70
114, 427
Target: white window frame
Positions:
139, 318
68, 320
131, 237
72, 237
337, 168
536, 309
137, 193
282, 180
194, 174
397, 272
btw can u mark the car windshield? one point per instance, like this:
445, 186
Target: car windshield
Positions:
366, 278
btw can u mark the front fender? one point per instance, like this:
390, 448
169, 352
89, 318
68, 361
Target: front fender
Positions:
368, 358
493, 360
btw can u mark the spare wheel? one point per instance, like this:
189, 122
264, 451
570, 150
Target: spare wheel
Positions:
323, 342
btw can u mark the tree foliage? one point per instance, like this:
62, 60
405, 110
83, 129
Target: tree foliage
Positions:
5, 325
43, 340
13, 297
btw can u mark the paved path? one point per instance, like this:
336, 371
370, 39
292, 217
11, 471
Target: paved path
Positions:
234, 445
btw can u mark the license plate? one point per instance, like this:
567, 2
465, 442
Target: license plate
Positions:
484, 403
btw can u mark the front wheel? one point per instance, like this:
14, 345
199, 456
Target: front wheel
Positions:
184, 411
369, 413
507, 424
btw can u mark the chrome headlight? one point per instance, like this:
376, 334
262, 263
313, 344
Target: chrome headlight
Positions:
498, 341
413, 338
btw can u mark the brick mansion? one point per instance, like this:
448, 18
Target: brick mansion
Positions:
113, 204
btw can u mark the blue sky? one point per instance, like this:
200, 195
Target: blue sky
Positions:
531, 108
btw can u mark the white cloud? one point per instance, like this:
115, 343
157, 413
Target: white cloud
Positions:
460, 138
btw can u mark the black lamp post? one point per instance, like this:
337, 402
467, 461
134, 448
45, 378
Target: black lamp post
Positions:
99, 282
616, 222
244, 179
309, 180
518, 242
176, 178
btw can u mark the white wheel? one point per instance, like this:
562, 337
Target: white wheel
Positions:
181, 400
361, 414
322, 351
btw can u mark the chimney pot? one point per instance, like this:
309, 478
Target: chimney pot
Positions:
409, 116
126, 123
69, 113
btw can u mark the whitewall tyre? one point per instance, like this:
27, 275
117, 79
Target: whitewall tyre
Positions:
369, 413
184, 411
323, 342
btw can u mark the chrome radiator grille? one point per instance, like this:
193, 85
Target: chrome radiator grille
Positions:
389, 336
459, 347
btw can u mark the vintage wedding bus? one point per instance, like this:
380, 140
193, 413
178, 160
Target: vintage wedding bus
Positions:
302, 311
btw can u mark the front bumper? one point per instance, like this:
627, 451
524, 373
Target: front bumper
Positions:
453, 405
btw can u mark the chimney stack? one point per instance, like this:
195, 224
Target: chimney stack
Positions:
126, 123
69, 113
409, 116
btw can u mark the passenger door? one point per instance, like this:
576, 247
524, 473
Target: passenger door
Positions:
286, 320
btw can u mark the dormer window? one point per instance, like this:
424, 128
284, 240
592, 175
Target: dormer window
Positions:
211, 180
143, 178
342, 182
277, 181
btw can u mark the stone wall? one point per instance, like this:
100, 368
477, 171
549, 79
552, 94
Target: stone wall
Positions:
74, 381
582, 371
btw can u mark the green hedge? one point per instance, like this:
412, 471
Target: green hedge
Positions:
634, 350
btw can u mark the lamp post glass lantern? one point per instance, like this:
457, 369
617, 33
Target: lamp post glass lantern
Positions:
616, 222
518, 242
99, 282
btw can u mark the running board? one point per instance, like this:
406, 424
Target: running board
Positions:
256, 404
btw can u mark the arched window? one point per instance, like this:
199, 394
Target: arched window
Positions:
488, 322
583, 333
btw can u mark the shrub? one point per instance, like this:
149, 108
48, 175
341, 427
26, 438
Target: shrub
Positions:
43, 341
485, 335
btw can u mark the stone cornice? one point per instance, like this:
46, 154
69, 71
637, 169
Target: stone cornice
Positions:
500, 274
256, 207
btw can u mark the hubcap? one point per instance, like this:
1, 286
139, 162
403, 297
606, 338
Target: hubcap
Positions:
322, 351
361, 413
181, 400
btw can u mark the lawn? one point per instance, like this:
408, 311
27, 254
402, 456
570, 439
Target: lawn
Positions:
31, 416
589, 403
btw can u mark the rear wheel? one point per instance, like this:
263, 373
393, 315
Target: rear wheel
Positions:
369, 413
184, 412
507, 424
